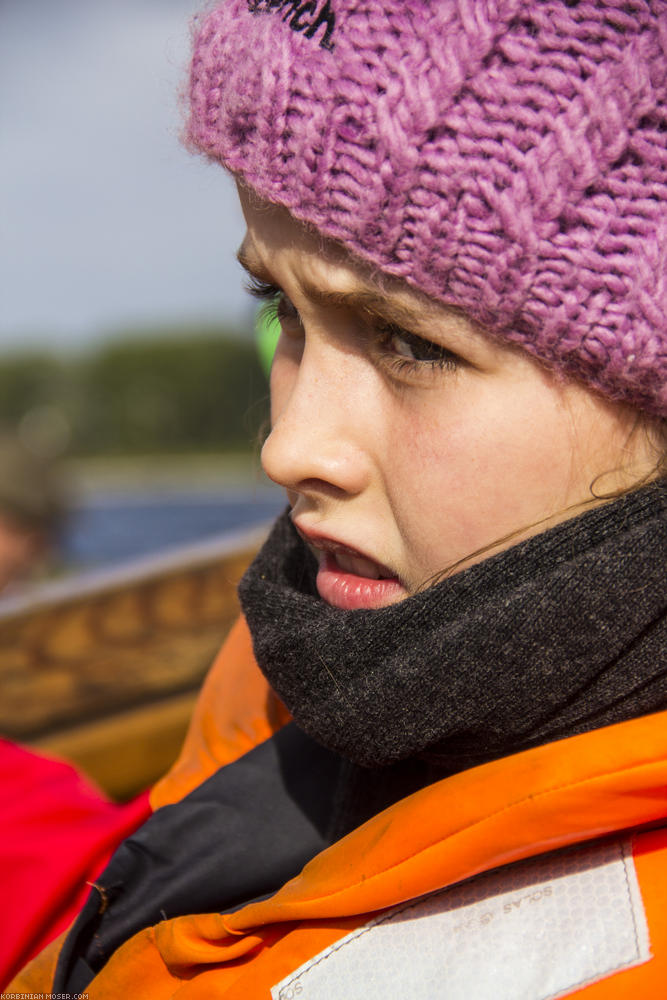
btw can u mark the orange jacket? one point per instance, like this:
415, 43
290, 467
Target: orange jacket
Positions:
368, 917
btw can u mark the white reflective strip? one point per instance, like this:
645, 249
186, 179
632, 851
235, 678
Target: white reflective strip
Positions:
536, 930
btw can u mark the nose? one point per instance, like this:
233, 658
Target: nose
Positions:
319, 440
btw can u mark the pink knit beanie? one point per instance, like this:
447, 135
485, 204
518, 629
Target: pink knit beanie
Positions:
508, 157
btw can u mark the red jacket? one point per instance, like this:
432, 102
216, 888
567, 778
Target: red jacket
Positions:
540, 875
56, 835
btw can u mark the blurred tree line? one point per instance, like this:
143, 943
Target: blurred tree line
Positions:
161, 392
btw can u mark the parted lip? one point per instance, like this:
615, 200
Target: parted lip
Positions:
325, 543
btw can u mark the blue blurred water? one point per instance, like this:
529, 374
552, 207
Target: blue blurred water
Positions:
110, 528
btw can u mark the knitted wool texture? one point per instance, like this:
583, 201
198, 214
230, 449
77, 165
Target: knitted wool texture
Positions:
508, 157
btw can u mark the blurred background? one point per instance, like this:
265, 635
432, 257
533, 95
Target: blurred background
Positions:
132, 402
131, 395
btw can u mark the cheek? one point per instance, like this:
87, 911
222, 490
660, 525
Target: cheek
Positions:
432, 484
468, 475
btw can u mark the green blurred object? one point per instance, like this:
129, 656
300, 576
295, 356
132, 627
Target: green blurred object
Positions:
267, 331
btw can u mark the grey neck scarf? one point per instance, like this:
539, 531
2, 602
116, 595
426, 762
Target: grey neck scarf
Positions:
560, 634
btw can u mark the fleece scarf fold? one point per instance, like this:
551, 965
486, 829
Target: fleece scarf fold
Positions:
560, 634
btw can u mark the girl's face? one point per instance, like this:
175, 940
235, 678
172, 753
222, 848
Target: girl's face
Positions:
407, 440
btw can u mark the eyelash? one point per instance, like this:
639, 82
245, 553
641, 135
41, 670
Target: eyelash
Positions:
440, 359
273, 299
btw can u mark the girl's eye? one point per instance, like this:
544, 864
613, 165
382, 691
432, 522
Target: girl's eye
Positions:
276, 303
399, 350
406, 351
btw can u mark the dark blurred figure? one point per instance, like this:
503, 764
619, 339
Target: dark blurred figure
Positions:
32, 509
59, 830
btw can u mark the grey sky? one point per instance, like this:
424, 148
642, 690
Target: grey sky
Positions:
105, 221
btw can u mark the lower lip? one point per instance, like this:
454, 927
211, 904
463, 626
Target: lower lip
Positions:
351, 592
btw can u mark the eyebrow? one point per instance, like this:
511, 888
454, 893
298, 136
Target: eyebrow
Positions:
364, 299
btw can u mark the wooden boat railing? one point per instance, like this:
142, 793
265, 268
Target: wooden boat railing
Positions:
103, 668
